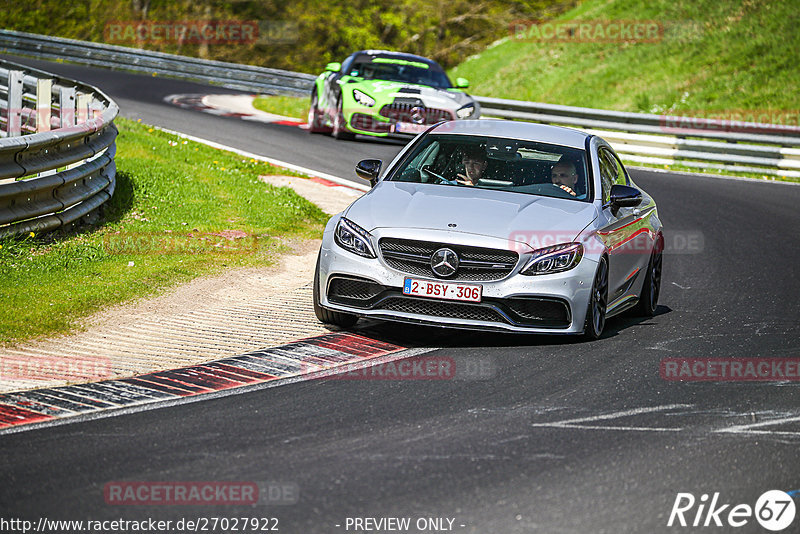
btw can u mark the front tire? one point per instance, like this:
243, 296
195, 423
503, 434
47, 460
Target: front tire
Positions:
340, 319
316, 120
596, 313
340, 130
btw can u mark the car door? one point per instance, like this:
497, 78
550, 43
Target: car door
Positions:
622, 232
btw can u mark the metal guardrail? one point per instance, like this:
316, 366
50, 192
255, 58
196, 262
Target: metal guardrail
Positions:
668, 140
56, 150
232, 75
637, 137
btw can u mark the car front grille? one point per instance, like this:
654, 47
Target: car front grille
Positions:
436, 308
406, 112
533, 311
475, 263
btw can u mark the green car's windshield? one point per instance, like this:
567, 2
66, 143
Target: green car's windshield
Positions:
400, 71
496, 163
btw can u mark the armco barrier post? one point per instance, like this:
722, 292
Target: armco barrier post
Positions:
66, 103
83, 107
44, 102
15, 78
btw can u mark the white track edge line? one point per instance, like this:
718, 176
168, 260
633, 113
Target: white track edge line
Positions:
272, 161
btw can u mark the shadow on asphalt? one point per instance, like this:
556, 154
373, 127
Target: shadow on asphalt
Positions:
413, 336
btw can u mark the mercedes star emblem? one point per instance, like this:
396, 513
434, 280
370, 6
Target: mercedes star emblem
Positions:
417, 115
444, 262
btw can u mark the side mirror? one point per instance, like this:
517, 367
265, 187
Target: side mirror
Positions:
624, 196
369, 169
462, 83
333, 66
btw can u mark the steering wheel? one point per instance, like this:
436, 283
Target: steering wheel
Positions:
441, 179
566, 189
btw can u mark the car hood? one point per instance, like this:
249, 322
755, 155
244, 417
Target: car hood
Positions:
388, 91
530, 219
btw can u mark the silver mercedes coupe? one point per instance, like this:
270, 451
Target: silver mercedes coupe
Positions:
494, 225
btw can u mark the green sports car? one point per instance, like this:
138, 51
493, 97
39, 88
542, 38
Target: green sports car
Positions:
382, 93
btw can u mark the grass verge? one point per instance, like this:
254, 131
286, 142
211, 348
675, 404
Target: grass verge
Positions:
180, 210
710, 56
288, 106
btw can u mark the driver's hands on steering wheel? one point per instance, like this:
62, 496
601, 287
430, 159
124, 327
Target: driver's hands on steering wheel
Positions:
567, 188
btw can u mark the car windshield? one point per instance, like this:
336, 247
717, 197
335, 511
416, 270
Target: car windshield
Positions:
513, 165
400, 71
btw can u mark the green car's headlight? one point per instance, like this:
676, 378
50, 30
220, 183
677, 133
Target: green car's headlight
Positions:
554, 259
353, 238
466, 111
363, 98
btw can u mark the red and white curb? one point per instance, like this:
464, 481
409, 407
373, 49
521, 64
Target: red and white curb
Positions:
300, 360
238, 106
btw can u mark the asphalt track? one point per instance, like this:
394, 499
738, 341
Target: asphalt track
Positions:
555, 436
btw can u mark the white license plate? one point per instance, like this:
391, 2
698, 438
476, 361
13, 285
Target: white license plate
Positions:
410, 128
442, 290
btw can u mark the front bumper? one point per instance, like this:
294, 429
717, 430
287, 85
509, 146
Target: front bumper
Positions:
397, 119
553, 304
366, 124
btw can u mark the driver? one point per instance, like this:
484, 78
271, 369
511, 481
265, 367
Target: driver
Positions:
563, 175
475, 162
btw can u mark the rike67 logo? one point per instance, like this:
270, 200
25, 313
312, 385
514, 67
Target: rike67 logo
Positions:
774, 510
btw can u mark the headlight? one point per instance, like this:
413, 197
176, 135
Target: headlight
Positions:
554, 259
353, 238
363, 98
466, 111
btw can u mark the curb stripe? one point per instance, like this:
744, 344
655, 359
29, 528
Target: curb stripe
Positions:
82, 401
31, 402
251, 376
138, 392
147, 382
12, 416
293, 360
223, 380
105, 392
82, 393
